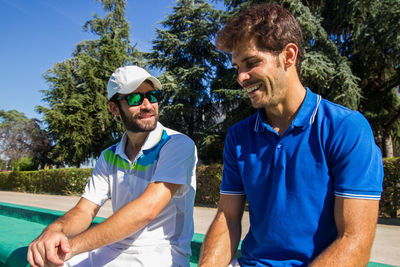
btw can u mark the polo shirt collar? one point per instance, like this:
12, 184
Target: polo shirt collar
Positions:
151, 140
308, 110
304, 117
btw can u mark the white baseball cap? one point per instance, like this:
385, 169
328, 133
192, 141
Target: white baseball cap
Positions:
127, 79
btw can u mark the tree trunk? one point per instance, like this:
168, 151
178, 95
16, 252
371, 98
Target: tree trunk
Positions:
387, 146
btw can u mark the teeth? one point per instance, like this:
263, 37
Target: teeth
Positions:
251, 89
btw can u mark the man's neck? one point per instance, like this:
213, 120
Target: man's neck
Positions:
280, 116
134, 143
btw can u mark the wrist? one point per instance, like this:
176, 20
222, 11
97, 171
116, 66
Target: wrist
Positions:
75, 248
54, 227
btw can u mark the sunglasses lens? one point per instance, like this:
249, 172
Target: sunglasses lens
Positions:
152, 96
134, 99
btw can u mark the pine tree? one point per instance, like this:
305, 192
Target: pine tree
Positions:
185, 52
78, 118
367, 33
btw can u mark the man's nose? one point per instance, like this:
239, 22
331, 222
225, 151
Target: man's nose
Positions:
146, 104
243, 76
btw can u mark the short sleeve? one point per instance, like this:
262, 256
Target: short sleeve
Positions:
97, 190
356, 161
231, 183
176, 163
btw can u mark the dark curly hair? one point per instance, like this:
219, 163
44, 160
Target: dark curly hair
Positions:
270, 26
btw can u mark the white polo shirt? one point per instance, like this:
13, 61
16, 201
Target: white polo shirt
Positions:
166, 156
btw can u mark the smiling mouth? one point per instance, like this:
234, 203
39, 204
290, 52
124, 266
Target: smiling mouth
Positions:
145, 116
252, 88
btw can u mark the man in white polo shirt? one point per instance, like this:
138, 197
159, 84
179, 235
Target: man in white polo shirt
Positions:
149, 177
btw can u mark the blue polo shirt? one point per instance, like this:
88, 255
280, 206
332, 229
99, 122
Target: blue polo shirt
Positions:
291, 181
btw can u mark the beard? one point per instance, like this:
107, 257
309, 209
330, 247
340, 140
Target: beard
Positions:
135, 125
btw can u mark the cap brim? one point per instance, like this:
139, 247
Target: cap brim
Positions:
156, 82
135, 85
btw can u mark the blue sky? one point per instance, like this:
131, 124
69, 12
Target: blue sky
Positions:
36, 34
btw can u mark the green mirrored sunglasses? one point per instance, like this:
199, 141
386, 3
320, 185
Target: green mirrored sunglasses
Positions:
136, 99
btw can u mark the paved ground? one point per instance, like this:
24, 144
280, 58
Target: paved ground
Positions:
386, 247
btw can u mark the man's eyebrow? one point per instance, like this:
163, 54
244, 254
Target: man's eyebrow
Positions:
249, 58
244, 60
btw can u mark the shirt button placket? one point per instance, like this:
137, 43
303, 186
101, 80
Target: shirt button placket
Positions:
278, 150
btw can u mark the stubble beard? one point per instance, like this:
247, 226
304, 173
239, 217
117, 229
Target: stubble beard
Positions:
256, 100
133, 124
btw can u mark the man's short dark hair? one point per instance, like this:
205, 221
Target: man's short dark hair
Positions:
270, 26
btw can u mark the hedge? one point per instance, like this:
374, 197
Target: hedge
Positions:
72, 181
208, 179
60, 181
389, 206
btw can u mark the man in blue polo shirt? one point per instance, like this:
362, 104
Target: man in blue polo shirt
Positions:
310, 169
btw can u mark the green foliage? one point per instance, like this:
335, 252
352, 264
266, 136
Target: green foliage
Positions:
59, 181
208, 183
13, 134
366, 33
21, 137
210, 149
389, 205
78, 118
24, 164
4, 165
324, 70
73, 181
4, 184
184, 50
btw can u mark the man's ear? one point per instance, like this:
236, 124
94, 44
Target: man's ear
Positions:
290, 55
114, 108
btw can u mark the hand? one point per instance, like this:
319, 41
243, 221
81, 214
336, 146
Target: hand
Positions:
51, 248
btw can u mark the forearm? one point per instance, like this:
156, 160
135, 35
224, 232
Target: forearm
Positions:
53, 245
126, 221
75, 220
72, 223
356, 221
222, 237
345, 251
